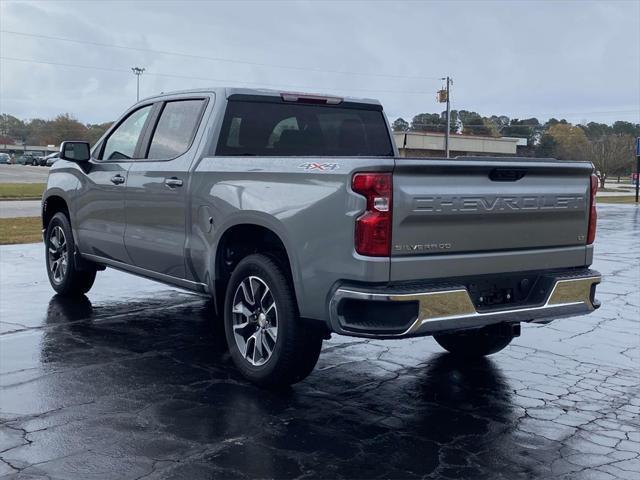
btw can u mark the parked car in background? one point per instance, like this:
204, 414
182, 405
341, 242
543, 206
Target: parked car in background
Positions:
51, 159
41, 159
5, 159
27, 159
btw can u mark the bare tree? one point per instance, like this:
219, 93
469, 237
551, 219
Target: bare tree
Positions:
612, 155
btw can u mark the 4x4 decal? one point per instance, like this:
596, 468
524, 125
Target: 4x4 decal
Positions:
319, 166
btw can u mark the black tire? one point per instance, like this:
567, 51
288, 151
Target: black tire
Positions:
295, 351
66, 279
475, 343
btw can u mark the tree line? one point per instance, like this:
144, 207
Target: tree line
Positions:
611, 148
14, 131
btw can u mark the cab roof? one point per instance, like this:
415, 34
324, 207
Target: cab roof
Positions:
263, 92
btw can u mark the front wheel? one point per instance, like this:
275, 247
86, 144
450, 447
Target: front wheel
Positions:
475, 343
268, 342
64, 276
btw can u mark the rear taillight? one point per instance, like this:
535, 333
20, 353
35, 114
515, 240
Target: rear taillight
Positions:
373, 227
593, 214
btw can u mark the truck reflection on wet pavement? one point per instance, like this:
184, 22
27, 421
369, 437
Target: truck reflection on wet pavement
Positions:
134, 380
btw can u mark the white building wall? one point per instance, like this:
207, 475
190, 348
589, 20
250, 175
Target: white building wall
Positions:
458, 143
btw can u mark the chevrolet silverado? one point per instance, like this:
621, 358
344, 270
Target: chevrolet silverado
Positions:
296, 214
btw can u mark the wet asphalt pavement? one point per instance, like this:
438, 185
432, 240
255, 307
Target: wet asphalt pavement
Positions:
20, 208
133, 382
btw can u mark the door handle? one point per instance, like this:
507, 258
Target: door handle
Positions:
173, 182
117, 179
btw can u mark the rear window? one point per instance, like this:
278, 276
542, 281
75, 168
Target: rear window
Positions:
286, 129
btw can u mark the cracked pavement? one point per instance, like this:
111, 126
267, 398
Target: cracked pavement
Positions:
133, 381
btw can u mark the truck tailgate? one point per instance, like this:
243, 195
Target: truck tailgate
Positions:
481, 204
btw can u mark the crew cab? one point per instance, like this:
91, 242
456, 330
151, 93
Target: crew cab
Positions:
296, 214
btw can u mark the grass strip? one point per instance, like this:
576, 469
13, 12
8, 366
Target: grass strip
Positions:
21, 191
621, 199
20, 230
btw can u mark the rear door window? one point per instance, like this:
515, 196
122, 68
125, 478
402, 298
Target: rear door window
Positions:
175, 129
295, 129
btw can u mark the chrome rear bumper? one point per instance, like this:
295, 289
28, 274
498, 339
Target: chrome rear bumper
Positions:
451, 308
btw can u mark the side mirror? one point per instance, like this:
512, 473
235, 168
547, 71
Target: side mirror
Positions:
75, 151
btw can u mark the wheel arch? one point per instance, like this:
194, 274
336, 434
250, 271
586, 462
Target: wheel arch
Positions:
242, 239
51, 205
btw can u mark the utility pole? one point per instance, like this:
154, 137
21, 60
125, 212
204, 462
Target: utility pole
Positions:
137, 71
445, 96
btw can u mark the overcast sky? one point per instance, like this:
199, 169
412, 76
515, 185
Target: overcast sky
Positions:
577, 60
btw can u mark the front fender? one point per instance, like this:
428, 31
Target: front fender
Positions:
63, 182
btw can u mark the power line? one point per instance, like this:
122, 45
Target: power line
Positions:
186, 77
207, 79
215, 59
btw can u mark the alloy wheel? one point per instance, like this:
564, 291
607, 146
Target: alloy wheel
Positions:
57, 254
255, 320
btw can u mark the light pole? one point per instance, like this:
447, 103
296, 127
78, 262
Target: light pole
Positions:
137, 71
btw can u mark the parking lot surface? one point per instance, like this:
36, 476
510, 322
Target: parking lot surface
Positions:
20, 208
23, 174
132, 381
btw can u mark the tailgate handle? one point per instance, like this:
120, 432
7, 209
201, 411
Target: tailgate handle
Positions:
507, 174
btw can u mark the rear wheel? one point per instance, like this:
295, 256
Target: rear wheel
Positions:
268, 342
64, 277
476, 343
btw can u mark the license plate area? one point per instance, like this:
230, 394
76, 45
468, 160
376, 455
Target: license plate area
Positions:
502, 292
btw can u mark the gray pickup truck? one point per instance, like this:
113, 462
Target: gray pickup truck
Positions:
295, 213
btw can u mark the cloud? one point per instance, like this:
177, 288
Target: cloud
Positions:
579, 60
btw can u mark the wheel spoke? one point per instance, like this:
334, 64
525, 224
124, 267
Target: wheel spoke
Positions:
250, 352
248, 297
269, 308
265, 344
272, 332
264, 296
254, 289
254, 344
55, 267
260, 344
244, 330
240, 326
242, 309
